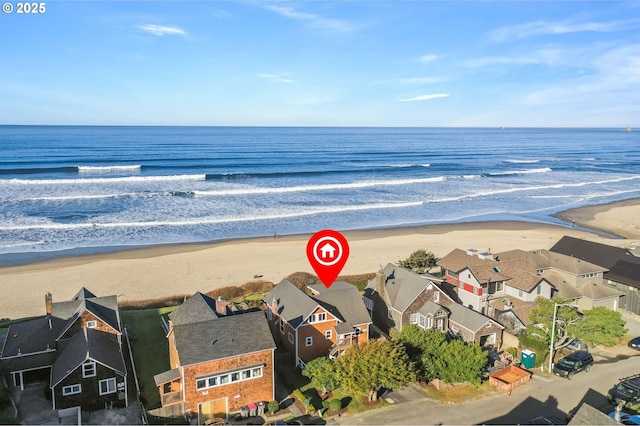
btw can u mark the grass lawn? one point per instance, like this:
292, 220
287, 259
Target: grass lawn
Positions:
150, 349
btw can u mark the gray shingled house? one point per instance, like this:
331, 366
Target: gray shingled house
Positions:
76, 347
397, 296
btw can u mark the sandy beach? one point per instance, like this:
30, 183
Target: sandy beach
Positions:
183, 269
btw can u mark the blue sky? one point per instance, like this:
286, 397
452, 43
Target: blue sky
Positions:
323, 63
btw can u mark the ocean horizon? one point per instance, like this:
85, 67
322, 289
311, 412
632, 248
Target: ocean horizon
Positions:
84, 189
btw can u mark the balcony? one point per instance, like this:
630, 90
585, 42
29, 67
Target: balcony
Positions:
171, 398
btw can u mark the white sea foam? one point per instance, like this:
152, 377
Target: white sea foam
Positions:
521, 172
516, 161
109, 169
322, 187
86, 181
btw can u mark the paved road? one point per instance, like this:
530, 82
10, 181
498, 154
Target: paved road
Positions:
542, 396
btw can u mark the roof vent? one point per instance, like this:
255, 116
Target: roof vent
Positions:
472, 251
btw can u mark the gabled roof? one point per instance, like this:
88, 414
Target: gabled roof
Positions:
343, 301
88, 344
432, 308
197, 308
83, 294
595, 291
599, 254
293, 305
223, 337
31, 336
468, 318
546, 259
402, 286
484, 270
104, 308
625, 272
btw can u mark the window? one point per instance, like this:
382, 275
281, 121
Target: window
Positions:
308, 341
92, 324
107, 386
436, 296
476, 290
539, 289
519, 293
71, 389
318, 317
281, 326
328, 334
88, 369
203, 383
290, 337
413, 319
390, 313
500, 286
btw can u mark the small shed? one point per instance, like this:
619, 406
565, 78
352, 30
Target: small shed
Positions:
509, 377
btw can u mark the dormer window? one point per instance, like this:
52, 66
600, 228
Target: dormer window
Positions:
88, 369
318, 317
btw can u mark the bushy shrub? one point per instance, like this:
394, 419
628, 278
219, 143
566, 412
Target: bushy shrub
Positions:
259, 286
303, 279
335, 404
273, 406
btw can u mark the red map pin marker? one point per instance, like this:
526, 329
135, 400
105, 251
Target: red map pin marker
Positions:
327, 252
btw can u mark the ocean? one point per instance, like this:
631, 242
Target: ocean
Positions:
82, 189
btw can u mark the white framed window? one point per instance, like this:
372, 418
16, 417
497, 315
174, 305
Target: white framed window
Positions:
308, 341
318, 317
436, 296
413, 319
328, 334
520, 293
281, 326
88, 369
290, 337
500, 286
71, 389
92, 324
107, 386
539, 289
390, 313
203, 383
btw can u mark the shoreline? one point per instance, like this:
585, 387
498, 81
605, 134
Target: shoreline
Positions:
170, 269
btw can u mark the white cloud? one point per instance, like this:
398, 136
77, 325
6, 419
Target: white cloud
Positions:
314, 20
428, 58
419, 80
278, 78
559, 27
426, 97
160, 30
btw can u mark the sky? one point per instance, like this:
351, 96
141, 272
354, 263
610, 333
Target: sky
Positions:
322, 63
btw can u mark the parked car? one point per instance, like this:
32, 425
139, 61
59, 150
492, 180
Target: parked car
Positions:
626, 419
573, 363
634, 343
627, 391
577, 345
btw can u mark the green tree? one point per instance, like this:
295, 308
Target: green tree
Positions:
460, 362
599, 325
323, 373
423, 347
542, 318
367, 367
419, 260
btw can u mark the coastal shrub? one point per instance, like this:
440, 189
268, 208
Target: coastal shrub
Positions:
359, 280
273, 406
229, 292
161, 302
335, 404
260, 286
303, 279
535, 344
419, 260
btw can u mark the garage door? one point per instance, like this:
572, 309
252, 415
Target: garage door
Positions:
211, 412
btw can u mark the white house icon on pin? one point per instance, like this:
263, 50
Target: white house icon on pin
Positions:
327, 250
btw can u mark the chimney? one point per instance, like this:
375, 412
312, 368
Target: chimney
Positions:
221, 305
381, 281
48, 300
274, 305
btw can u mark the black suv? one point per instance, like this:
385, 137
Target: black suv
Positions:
574, 363
627, 391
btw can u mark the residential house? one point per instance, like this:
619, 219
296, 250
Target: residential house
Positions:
219, 361
397, 296
572, 278
483, 277
622, 267
322, 323
76, 347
